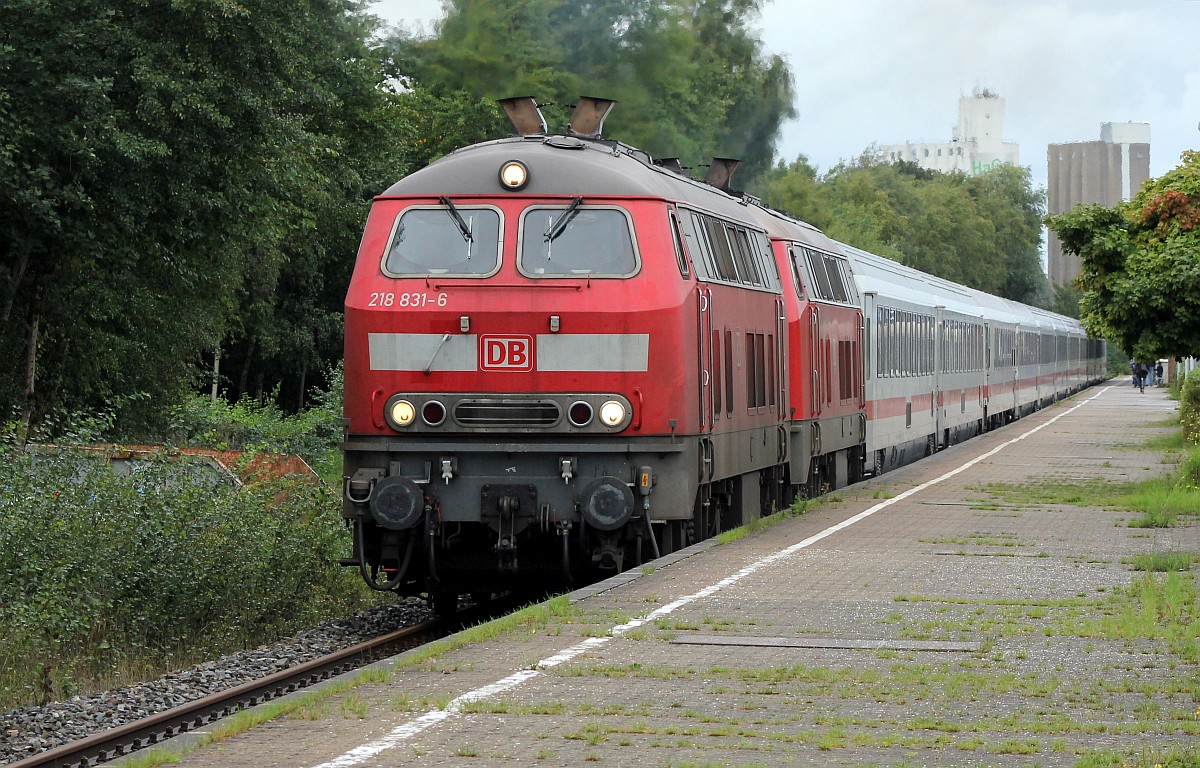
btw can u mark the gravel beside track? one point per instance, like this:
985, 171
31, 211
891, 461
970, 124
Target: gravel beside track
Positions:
30, 730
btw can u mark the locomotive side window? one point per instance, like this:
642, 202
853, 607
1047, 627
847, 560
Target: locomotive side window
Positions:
794, 258
761, 249
697, 241
564, 241
820, 276
680, 252
832, 279
721, 250
747, 264
441, 240
725, 252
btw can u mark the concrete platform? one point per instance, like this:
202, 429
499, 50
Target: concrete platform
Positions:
920, 618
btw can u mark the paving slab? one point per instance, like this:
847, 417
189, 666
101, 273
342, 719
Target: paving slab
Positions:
942, 614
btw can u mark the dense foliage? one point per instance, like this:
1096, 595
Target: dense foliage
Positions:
690, 77
1140, 273
183, 179
983, 231
107, 576
161, 165
1189, 408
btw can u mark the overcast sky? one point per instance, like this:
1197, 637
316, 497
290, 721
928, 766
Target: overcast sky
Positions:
888, 71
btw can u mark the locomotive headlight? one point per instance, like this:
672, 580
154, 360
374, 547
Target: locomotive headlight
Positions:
401, 412
612, 413
514, 175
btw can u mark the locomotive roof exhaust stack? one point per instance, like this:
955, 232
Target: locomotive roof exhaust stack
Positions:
587, 121
671, 164
525, 116
720, 172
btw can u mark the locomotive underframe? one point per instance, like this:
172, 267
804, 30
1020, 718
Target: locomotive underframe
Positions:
496, 512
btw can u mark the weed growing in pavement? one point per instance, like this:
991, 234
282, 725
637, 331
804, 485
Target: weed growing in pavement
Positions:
1174, 757
354, 706
799, 507
1157, 608
1042, 492
1166, 561
1160, 500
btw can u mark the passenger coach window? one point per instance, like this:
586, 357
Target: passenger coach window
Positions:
563, 241
445, 241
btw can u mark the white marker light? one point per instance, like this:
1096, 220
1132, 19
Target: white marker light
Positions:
612, 413
403, 413
514, 175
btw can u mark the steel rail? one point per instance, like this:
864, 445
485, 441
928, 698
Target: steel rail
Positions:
127, 738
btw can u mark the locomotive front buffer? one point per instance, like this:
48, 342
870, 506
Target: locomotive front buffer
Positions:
418, 517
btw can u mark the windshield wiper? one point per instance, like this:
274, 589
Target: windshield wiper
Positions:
462, 225
558, 225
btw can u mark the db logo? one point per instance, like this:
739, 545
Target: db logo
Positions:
506, 353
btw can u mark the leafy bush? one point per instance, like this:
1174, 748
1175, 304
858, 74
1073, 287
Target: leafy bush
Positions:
169, 564
1189, 407
313, 434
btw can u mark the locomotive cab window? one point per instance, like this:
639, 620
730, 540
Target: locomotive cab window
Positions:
457, 240
570, 240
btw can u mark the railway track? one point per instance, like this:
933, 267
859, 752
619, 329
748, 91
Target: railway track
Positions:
110, 744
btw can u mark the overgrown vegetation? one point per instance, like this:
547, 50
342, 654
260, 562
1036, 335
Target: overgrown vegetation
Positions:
798, 507
1189, 408
199, 421
1160, 501
111, 578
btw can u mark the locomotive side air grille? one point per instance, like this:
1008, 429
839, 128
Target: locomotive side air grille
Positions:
505, 413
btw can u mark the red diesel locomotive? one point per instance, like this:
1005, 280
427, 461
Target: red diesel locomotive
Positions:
564, 358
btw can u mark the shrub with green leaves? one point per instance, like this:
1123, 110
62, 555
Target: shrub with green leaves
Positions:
1189, 407
102, 574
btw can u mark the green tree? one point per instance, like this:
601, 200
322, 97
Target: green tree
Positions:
982, 231
869, 203
288, 326
692, 79
162, 165
1140, 274
795, 188
1006, 197
1066, 300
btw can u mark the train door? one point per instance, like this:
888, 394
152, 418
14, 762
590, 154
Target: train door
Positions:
985, 392
940, 362
778, 364
1016, 371
707, 362
819, 362
708, 384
